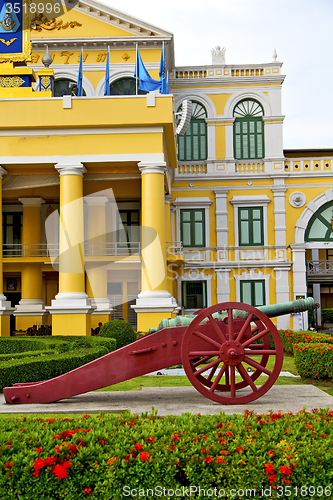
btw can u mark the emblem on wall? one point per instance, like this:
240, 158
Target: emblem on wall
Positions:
14, 31
297, 199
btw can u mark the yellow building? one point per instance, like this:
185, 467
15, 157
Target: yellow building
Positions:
107, 211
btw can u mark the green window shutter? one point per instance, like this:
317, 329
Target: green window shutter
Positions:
250, 226
252, 292
194, 294
248, 131
193, 146
192, 227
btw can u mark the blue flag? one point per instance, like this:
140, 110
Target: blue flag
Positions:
146, 82
163, 74
80, 76
107, 74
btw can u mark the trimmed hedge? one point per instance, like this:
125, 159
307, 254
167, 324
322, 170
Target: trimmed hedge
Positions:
327, 315
290, 338
120, 330
314, 360
57, 357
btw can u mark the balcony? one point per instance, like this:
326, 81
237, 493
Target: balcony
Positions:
115, 249
319, 271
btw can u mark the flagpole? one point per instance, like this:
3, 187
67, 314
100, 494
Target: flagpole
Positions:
136, 78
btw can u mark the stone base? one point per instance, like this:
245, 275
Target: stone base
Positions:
71, 324
152, 307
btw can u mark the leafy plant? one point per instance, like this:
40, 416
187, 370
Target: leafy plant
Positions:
120, 330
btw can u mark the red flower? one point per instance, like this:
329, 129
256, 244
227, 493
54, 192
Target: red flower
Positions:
178, 462
102, 441
138, 446
151, 439
38, 450
222, 441
144, 455
87, 490
9, 443
239, 449
176, 436
60, 471
208, 459
269, 468
22, 430
8, 465
204, 437
229, 434
73, 449
270, 453
112, 460
285, 470
220, 460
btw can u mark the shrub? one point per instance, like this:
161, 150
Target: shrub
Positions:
120, 330
115, 457
314, 360
290, 338
327, 315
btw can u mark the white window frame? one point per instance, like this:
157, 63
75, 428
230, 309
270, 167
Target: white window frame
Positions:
251, 201
194, 203
194, 276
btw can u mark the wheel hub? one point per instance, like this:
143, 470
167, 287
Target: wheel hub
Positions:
232, 353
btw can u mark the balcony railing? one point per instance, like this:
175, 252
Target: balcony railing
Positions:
115, 249
320, 267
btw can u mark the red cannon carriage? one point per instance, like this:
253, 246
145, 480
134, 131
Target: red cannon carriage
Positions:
224, 350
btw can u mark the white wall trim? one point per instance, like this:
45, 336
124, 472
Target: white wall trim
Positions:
194, 276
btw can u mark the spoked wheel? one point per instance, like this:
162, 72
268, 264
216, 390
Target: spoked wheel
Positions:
224, 358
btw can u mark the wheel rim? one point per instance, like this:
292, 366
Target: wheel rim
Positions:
216, 355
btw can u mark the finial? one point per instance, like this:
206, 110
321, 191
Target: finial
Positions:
47, 59
274, 55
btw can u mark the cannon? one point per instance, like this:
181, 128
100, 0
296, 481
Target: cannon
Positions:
224, 349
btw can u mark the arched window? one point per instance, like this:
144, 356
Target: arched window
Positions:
65, 86
193, 145
320, 225
248, 130
125, 86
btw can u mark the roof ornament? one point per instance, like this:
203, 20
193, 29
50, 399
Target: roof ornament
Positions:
218, 55
274, 56
47, 58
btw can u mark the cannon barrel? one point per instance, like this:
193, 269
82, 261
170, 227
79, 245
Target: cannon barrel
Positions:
271, 311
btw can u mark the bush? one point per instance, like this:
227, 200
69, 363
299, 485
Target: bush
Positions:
115, 457
43, 359
120, 330
290, 338
327, 315
314, 360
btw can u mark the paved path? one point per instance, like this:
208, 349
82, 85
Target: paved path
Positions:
178, 400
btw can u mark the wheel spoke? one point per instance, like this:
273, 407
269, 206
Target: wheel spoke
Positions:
227, 375
244, 328
246, 377
232, 382
230, 325
203, 360
196, 354
258, 352
207, 339
218, 378
207, 367
212, 373
253, 363
216, 328
256, 337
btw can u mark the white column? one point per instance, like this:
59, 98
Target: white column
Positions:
221, 215
223, 286
282, 294
280, 228
299, 279
316, 286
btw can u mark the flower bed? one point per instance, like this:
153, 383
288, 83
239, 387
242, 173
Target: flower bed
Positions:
314, 360
290, 338
110, 457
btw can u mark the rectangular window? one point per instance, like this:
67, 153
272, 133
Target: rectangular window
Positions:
192, 227
12, 233
253, 292
194, 294
250, 226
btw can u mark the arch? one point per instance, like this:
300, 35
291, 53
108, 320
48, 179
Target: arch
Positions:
205, 101
71, 75
192, 146
117, 75
242, 96
249, 139
311, 208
